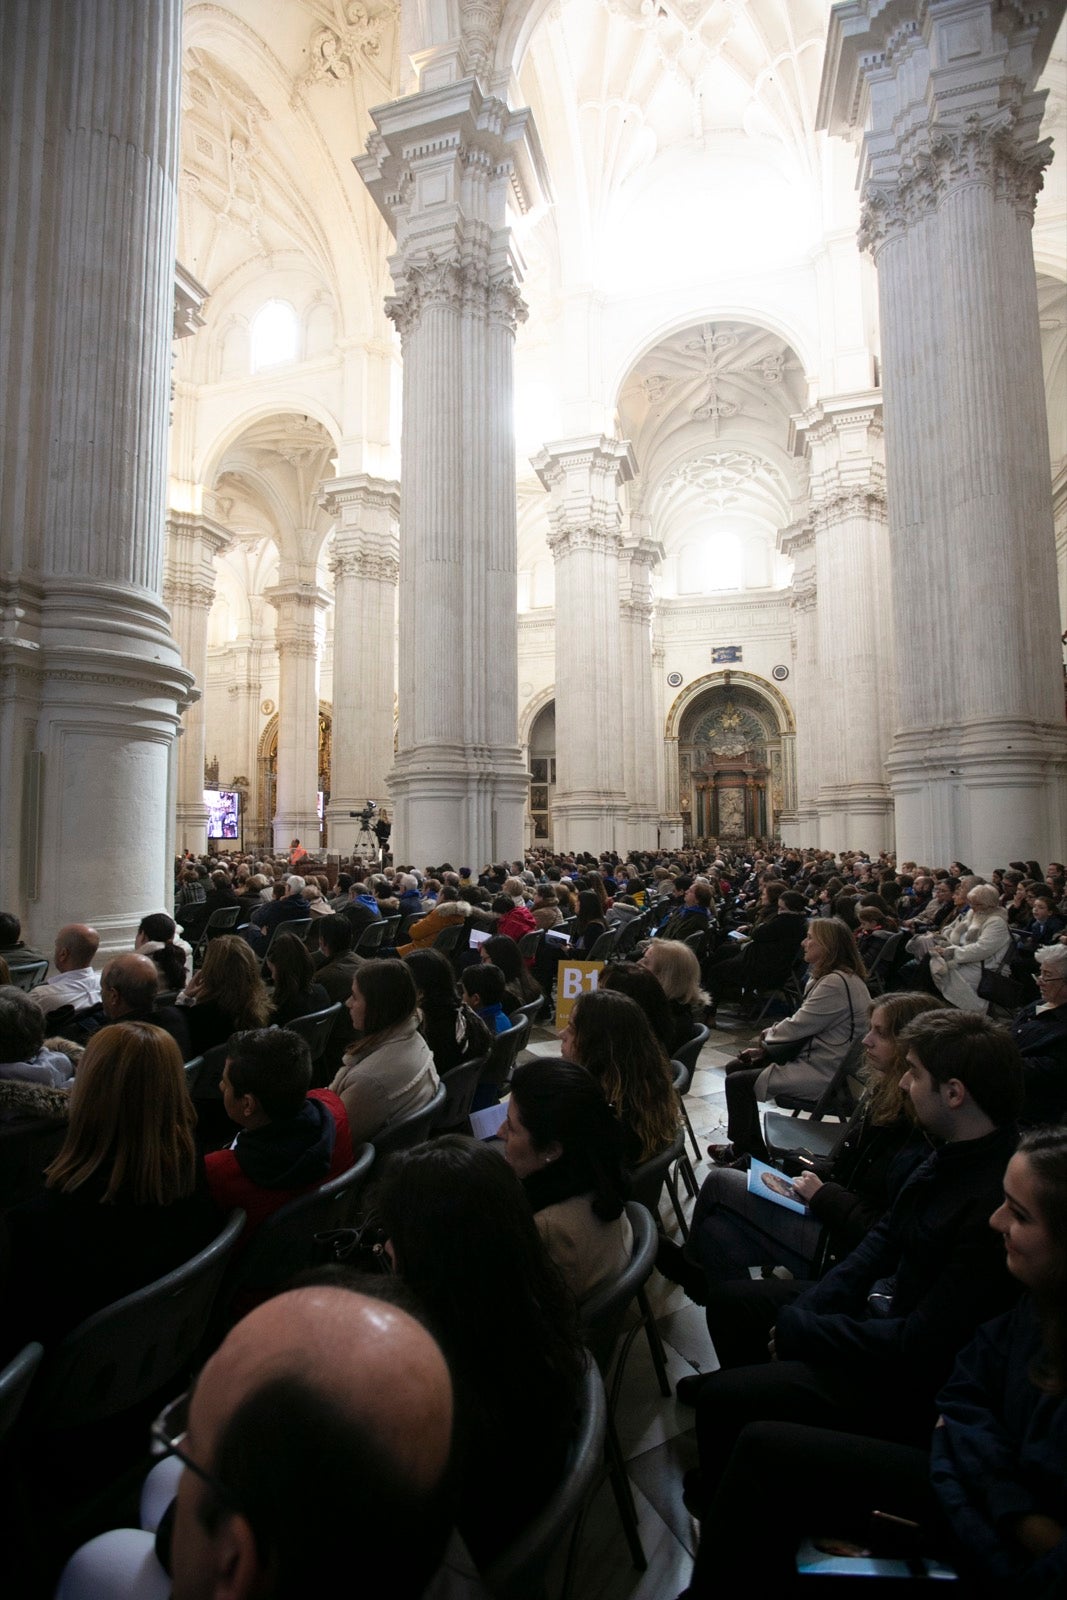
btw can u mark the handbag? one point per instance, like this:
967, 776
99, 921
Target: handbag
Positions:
1001, 989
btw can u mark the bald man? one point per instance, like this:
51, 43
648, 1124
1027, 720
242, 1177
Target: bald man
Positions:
316, 1455
128, 986
76, 984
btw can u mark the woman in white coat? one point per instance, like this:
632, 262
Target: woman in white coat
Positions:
979, 939
818, 1036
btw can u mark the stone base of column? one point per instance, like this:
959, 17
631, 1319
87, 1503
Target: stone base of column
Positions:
984, 794
787, 825
591, 823
670, 830
190, 828
642, 828
855, 818
302, 825
463, 804
91, 695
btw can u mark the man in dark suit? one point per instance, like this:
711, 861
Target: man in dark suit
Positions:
767, 960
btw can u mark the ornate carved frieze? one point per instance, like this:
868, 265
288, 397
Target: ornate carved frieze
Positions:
373, 565
566, 538
940, 160
178, 592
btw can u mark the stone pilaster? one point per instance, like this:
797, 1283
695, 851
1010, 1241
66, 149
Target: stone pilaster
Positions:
298, 605
942, 95
193, 543
843, 442
442, 166
798, 541
365, 565
91, 683
640, 729
583, 477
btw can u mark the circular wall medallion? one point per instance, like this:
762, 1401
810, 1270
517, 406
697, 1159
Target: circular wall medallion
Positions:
674, 679
779, 674
267, 707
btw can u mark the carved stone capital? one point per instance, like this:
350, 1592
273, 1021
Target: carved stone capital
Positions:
804, 595
182, 592
866, 501
462, 286
374, 566
939, 160
638, 611
566, 539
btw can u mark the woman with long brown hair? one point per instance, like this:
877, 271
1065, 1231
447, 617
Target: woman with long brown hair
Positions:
389, 1070
227, 995
125, 1199
611, 1037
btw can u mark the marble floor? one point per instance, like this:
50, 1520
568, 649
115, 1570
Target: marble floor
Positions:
657, 1436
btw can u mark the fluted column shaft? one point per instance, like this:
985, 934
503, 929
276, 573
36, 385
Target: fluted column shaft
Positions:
91, 685
583, 478
642, 738
296, 635
193, 543
365, 567
441, 166
952, 165
798, 541
848, 516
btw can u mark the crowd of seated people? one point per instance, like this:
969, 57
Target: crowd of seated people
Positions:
892, 1271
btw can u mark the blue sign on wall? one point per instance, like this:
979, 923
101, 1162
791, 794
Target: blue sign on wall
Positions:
723, 654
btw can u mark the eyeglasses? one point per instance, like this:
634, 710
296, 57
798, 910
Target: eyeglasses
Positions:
167, 1433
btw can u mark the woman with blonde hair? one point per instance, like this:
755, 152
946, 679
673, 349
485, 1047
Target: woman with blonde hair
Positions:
800, 1054
125, 1198
611, 1037
678, 970
227, 995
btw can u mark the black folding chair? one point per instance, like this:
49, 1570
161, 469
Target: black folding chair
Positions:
530, 943
222, 921
686, 1056
503, 1053
29, 976
284, 1244
460, 1086
519, 1573
371, 938
647, 1181
127, 1352
15, 1382
413, 1129
315, 1029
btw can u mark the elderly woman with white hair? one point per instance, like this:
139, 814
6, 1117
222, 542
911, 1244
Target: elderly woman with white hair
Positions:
977, 940
1040, 1031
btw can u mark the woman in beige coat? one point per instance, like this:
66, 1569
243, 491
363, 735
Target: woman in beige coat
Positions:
388, 1072
980, 939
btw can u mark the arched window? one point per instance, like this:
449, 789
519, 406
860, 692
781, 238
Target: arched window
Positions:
724, 563
274, 335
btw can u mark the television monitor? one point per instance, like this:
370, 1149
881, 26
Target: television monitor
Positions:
223, 813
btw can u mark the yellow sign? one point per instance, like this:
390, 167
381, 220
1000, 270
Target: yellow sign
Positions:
574, 978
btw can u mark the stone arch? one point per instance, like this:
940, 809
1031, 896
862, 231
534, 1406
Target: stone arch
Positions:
733, 738
267, 768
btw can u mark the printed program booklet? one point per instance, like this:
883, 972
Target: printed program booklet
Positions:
770, 1184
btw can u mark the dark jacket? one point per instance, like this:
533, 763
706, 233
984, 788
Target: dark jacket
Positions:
454, 1035
1002, 1454
313, 998
1042, 1039
70, 1255
290, 908
869, 1171
938, 1265
774, 948
267, 1167
172, 1019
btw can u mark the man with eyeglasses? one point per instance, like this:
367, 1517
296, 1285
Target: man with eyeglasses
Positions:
315, 1447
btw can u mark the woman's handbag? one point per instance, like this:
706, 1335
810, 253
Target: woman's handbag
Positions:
1001, 989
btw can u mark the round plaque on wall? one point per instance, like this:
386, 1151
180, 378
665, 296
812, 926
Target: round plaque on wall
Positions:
674, 679
267, 707
779, 674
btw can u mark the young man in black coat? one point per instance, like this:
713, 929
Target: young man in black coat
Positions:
866, 1349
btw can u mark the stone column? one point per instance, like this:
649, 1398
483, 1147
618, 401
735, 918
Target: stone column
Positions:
843, 442
639, 725
298, 605
193, 542
365, 566
583, 477
798, 542
91, 683
943, 97
442, 166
